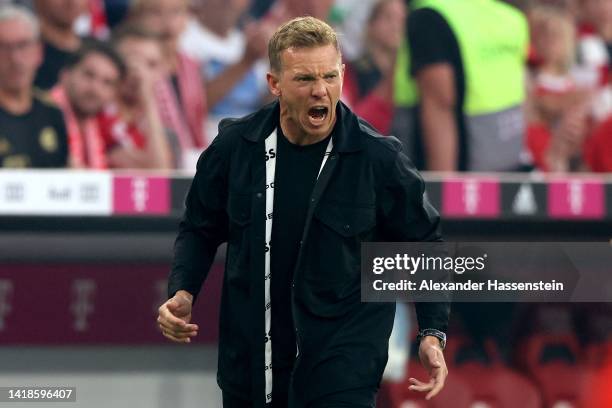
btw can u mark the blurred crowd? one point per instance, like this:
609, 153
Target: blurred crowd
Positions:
144, 83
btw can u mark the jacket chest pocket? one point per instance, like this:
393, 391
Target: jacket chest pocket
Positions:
239, 209
238, 245
334, 242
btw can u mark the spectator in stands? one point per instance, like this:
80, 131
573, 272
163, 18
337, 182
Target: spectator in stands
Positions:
116, 11
181, 95
559, 105
368, 81
231, 58
350, 17
470, 103
93, 22
131, 128
60, 41
595, 51
88, 83
32, 131
284, 10
598, 149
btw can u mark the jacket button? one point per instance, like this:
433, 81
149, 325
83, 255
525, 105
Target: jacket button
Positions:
347, 227
259, 195
312, 200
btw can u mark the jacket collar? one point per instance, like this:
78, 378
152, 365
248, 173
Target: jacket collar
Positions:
347, 135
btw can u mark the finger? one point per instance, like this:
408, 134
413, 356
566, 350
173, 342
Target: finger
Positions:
166, 314
185, 327
438, 385
175, 339
181, 326
179, 329
169, 319
415, 381
177, 333
420, 386
172, 304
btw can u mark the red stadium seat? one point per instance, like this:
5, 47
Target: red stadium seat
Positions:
498, 387
596, 391
598, 354
555, 364
544, 348
462, 349
559, 383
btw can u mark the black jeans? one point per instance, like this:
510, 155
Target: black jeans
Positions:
280, 393
357, 398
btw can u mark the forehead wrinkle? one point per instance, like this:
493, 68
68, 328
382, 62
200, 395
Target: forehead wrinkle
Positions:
304, 59
312, 69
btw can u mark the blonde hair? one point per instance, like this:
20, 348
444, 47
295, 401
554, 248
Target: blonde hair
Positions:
547, 17
301, 32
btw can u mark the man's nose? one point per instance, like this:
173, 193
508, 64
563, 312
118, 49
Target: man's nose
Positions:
318, 89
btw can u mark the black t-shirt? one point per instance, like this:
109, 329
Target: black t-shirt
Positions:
432, 41
297, 168
34, 139
54, 60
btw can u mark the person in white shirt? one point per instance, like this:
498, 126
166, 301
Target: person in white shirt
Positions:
232, 58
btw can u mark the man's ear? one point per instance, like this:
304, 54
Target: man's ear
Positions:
273, 84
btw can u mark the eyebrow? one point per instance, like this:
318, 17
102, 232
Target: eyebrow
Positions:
311, 76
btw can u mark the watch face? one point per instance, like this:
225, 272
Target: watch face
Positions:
434, 333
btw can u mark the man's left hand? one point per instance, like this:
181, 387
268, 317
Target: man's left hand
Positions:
432, 359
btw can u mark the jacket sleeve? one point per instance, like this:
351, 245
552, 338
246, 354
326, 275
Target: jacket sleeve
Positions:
407, 216
204, 225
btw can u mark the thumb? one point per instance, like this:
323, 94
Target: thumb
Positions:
172, 304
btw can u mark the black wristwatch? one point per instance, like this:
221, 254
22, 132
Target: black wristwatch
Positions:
435, 333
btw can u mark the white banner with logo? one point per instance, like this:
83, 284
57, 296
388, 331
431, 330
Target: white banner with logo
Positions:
55, 192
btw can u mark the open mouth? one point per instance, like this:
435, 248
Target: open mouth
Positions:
317, 114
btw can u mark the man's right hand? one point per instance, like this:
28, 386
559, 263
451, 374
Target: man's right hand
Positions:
174, 317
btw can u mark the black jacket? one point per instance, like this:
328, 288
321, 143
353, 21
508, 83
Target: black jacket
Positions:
368, 191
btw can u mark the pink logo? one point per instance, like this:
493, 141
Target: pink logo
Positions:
6, 288
83, 291
141, 195
576, 198
471, 197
